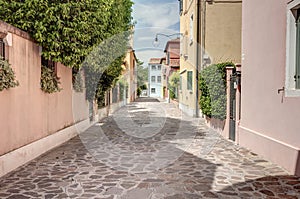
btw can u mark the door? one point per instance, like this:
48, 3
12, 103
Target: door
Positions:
232, 111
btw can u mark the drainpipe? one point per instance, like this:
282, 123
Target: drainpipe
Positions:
204, 26
197, 58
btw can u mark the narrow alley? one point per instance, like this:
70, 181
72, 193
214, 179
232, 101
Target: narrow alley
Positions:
149, 149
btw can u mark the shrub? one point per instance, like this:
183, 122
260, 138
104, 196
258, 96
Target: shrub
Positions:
49, 81
7, 76
139, 92
212, 84
173, 84
172, 94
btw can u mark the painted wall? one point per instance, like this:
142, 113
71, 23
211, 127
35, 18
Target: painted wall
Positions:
27, 113
222, 26
187, 98
269, 121
130, 74
157, 85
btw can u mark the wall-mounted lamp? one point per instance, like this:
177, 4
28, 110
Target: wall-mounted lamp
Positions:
156, 42
8, 39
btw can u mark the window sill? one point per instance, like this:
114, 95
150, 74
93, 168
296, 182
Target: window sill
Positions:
292, 93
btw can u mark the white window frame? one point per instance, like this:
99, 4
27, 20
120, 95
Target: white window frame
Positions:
290, 85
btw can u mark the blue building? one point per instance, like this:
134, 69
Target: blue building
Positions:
155, 78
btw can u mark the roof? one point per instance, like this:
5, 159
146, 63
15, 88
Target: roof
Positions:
154, 61
174, 62
175, 41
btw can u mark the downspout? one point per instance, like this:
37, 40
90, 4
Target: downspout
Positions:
204, 27
197, 58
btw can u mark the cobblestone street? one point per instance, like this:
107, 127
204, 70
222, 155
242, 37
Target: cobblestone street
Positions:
149, 149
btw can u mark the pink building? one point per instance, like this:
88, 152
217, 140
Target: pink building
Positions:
32, 121
171, 62
270, 101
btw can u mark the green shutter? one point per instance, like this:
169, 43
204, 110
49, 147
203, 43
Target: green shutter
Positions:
297, 74
190, 80
180, 84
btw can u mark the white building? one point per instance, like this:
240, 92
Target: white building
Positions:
155, 78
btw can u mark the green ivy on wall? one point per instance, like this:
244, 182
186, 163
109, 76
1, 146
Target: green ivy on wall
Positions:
49, 81
7, 76
212, 85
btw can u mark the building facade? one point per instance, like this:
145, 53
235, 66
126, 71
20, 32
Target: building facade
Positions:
32, 121
130, 75
211, 33
270, 81
171, 63
155, 78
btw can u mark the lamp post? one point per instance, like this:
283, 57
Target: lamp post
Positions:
156, 42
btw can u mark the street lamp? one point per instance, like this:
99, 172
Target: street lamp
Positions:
156, 42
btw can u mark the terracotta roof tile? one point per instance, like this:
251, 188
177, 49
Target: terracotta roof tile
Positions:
154, 61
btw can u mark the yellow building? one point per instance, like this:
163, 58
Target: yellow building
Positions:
130, 74
211, 33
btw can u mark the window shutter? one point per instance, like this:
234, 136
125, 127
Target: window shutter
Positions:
2, 48
190, 80
297, 75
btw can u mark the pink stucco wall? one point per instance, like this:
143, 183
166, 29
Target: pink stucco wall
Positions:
27, 113
268, 126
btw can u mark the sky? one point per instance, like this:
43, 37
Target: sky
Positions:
152, 17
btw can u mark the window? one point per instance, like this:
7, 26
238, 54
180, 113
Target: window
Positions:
158, 79
159, 67
180, 6
152, 90
152, 78
2, 48
191, 29
164, 77
292, 83
190, 80
153, 67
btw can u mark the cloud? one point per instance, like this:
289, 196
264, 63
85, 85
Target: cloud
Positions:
144, 38
146, 54
152, 14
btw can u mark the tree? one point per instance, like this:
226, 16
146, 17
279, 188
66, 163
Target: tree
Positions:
174, 82
142, 75
69, 31
212, 84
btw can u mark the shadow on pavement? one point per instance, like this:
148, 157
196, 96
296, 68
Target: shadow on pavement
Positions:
146, 99
284, 186
72, 171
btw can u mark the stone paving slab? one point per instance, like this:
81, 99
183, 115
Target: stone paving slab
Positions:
149, 149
